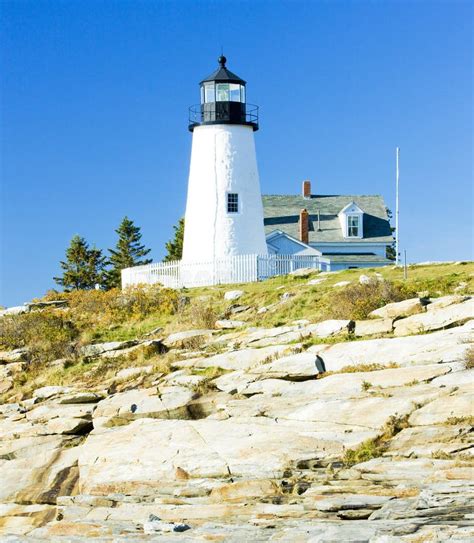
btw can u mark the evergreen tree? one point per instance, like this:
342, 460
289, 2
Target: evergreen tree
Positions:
175, 245
127, 252
391, 251
83, 268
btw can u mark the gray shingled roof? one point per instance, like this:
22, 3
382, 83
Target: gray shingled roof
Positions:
358, 259
282, 213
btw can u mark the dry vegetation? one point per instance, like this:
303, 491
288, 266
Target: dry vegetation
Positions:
96, 316
469, 358
356, 301
373, 448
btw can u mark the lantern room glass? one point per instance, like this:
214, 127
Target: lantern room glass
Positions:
222, 92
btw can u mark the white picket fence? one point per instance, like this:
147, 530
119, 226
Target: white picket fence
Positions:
228, 270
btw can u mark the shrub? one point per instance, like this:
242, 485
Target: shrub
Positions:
469, 358
97, 307
47, 334
358, 300
365, 451
202, 314
373, 448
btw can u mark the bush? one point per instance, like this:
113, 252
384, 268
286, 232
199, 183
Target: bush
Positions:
469, 358
49, 335
202, 314
358, 300
373, 448
365, 451
97, 307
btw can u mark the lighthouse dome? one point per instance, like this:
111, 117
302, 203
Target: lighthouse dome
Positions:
223, 74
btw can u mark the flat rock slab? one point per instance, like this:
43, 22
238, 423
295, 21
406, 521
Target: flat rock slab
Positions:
373, 326
131, 373
44, 393
224, 324
17, 355
235, 381
81, 397
233, 294
464, 378
349, 501
414, 472
297, 366
370, 413
346, 384
443, 410
100, 348
328, 328
435, 319
146, 453
438, 347
170, 402
242, 359
39, 478
182, 339
399, 309
20, 519
445, 301
426, 440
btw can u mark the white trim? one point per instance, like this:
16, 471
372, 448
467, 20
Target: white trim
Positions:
350, 204
356, 241
344, 214
296, 240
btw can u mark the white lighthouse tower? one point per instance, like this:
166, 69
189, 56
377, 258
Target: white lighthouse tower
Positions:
224, 214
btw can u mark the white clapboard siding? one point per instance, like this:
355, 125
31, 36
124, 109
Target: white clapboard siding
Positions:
221, 271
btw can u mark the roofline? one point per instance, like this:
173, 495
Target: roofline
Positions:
348, 261
323, 195
296, 240
344, 243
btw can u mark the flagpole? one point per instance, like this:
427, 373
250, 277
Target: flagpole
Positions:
397, 233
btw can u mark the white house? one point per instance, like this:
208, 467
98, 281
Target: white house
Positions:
348, 231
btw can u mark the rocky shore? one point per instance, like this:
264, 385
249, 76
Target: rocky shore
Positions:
333, 431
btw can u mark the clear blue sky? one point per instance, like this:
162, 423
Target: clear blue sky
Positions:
94, 115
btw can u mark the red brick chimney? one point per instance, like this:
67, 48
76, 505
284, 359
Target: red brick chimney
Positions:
304, 226
307, 189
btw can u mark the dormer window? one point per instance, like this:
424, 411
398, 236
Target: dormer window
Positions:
353, 226
351, 220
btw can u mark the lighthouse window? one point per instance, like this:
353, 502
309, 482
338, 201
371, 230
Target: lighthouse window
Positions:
222, 92
353, 226
234, 92
232, 202
242, 94
209, 95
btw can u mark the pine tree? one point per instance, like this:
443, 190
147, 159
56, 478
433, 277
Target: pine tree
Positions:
175, 246
83, 268
127, 252
390, 252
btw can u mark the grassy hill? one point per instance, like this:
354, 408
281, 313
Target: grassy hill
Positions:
54, 337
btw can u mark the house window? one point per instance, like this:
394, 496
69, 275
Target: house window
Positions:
232, 202
353, 226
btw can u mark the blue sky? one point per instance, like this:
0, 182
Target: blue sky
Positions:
94, 115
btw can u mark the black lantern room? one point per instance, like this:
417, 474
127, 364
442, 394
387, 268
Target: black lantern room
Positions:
223, 101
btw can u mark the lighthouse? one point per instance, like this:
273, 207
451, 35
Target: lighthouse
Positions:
224, 213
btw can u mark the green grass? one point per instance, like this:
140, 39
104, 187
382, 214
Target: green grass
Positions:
96, 317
